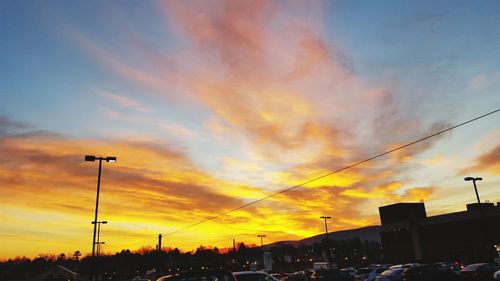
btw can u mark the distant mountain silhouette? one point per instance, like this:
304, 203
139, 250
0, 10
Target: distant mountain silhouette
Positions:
369, 233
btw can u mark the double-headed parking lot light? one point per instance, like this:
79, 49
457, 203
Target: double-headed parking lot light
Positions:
93, 158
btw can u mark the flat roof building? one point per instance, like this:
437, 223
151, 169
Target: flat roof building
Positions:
407, 233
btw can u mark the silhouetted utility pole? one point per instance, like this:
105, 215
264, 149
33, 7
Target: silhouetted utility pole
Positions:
92, 158
159, 242
159, 260
327, 241
483, 220
234, 252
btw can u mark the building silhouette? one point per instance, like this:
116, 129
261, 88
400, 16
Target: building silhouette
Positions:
409, 235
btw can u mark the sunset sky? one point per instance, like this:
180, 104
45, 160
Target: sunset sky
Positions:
210, 105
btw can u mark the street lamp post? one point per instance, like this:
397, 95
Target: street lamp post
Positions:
477, 194
483, 220
99, 247
262, 246
98, 236
326, 226
327, 241
92, 158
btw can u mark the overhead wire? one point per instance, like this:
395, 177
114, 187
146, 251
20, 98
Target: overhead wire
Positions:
335, 171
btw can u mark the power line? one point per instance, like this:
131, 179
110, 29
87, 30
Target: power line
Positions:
336, 171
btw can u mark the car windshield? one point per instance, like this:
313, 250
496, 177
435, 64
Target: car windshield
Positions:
198, 277
398, 272
393, 272
422, 268
253, 277
365, 270
387, 272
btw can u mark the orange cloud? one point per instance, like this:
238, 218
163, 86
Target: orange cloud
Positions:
418, 194
385, 191
150, 184
407, 153
152, 188
155, 188
488, 162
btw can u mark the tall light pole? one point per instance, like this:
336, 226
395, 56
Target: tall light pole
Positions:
99, 247
475, 189
327, 241
483, 220
262, 246
92, 158
98, 235
326, 226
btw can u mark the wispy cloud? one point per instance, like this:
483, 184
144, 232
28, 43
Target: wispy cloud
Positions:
9, 126
176, 129
6, 122
484, 81
124, 101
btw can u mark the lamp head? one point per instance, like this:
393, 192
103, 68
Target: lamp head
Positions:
104, 222
90, 158
111, 159
473, 179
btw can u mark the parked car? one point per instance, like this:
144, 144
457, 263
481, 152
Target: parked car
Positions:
253, 276
331, 275
206, 275
478, 272
374, 273
430, 272
391, 274
456, 266
496, 275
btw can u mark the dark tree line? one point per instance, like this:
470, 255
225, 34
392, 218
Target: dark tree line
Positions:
126, 264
